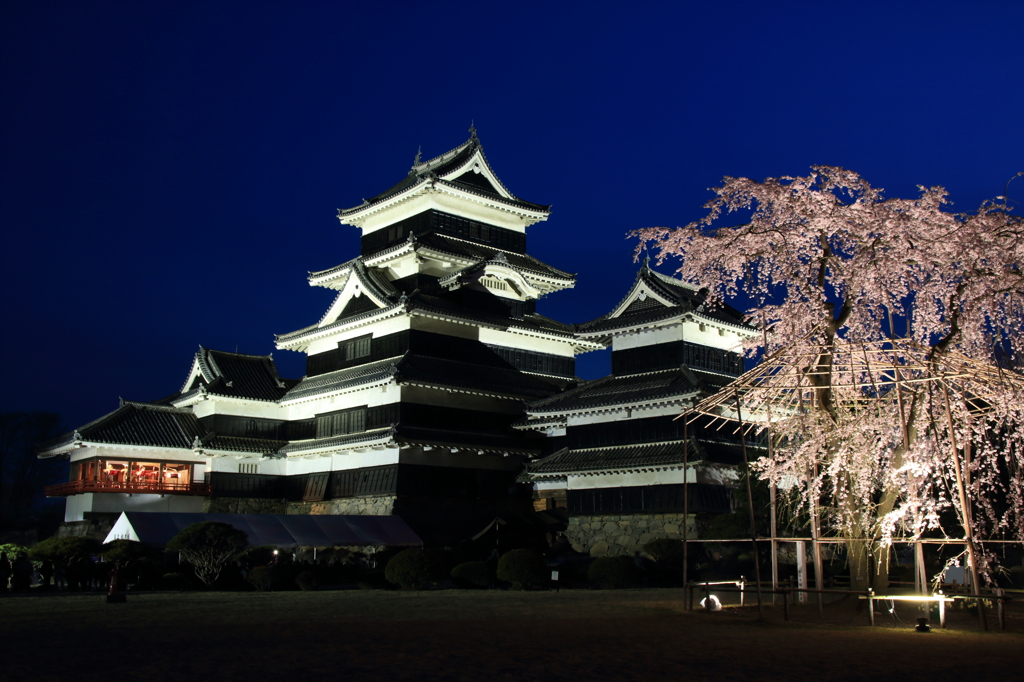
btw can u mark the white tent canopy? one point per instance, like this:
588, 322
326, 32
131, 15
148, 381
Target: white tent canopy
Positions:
279, 530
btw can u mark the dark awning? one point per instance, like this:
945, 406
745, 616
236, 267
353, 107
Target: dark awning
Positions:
279, 530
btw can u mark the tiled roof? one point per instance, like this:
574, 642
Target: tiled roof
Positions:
634, 389
340, 322
477, 252
530, 321
684, 299
138, 424
343, 378
640, 456
488, 442
449, 162
610, 458
241, 376
339, 441
241, 444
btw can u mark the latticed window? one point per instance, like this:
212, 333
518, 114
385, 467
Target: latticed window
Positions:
357, 348
340, 423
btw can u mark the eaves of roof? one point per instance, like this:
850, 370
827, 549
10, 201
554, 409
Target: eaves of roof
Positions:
630, 390
611, 459
138, 424
431, 171
343, 379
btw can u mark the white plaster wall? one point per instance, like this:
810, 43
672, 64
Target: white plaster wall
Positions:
76, 505
671, 409
514, 340
256, 409
136, 453
122, 502
647, 337
689, 330
381, 328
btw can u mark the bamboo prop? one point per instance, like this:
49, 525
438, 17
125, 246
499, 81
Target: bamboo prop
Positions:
965, 510
750, 501
686, 501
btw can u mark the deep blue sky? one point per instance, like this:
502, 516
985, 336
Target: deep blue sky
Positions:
170, 171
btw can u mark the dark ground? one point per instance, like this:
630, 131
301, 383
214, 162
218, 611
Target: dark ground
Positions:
479, 635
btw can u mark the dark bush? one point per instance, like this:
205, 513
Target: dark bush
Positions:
260, 577
410, 568
665, 550
524, 568
471, 574
374, 580
174, 582
307, 581
261, 555
611, 572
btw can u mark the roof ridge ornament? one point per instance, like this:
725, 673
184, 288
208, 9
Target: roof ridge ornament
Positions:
472, 131
416, 161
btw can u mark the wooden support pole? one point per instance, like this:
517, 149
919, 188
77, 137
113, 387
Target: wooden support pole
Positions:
964, 509
750, 503
920, 571
686, 504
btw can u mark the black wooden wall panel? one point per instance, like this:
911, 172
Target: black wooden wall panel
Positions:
652, 499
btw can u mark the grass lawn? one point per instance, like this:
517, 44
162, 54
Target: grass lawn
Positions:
479, 635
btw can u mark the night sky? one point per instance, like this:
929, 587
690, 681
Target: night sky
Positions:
170, 171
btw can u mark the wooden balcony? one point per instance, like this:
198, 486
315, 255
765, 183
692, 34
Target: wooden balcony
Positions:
133, 488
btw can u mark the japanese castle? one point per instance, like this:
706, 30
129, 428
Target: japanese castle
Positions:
433, 390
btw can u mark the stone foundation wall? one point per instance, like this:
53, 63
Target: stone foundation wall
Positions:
625, 534
349, 506
98, 529
354, 506
244, 505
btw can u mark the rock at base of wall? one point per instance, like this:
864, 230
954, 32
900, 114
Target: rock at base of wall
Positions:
625, 534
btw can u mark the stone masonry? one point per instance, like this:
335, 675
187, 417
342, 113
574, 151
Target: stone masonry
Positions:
349, 506
625, 534
243, 505
354, 506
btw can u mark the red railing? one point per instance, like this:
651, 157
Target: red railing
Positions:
75, 487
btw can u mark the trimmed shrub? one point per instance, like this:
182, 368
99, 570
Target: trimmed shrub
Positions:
410, 568
524, 568
260, 577
611, 572
471, 574
208, 546
307, 581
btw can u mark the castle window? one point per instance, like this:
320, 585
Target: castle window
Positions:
356, 348
341, 423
